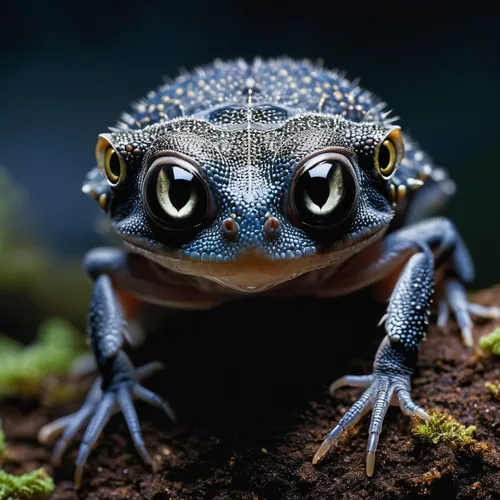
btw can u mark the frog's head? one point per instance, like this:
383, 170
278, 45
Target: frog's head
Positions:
246, 200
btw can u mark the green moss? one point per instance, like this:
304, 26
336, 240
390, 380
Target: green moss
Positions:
23, 369
443, 428
491, 342
494, 388
35, 485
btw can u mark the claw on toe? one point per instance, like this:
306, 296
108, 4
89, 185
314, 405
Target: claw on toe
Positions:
467, 337
51, 431
371, 450
489, 312
83, 454
96, 411
381, 389
419, 412
327, 443
370, 463
456, 301
443, 314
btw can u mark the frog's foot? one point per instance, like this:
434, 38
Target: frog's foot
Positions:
455, 298
97, 409
382, 389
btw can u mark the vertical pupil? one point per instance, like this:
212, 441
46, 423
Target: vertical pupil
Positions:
179, 192
318, 190
325, 193
180, 188
114, 164
323, 181
384, 157
175, 196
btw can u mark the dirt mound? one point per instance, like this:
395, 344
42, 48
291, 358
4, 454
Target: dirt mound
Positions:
249, 383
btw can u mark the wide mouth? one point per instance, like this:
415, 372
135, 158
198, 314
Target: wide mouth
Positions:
251, 272
255, 271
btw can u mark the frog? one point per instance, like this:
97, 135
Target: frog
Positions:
274, 178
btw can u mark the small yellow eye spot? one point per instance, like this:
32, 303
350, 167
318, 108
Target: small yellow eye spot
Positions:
114, 167
389, 154
386, 158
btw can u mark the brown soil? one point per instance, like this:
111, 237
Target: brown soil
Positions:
249, 383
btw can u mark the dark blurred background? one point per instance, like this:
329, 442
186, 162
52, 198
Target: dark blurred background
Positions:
67, 70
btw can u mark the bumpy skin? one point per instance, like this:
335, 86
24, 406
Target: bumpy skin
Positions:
250, 129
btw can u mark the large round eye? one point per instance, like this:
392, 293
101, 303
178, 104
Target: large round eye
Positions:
325, 191
109, 161
175, 194
389, 154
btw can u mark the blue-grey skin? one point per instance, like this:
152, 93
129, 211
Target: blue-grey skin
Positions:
248, 132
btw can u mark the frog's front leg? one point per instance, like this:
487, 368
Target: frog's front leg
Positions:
119, 380
451, 258
406, 321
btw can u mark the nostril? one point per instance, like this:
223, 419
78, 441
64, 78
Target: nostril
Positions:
230, 228
271, 227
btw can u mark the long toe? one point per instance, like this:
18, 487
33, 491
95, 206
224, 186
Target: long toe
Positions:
92, 433
96, 411
153, 399
384, 387
133, 425
352, 415
362, 381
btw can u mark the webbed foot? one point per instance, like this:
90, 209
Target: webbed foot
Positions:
382, 389
98, 407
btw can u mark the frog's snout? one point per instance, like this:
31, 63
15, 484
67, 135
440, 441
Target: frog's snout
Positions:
231, 229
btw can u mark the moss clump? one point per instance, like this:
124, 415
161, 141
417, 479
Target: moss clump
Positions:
494, 388
443, 428
491, 342
35, 485
23, 369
